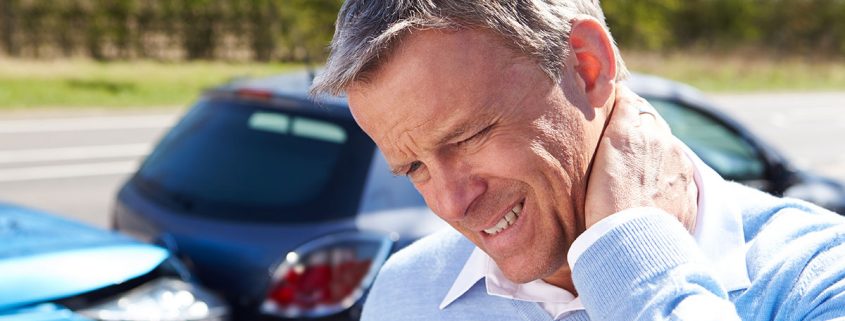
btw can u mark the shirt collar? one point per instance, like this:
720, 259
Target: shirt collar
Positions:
718, 227
718, 232
474, 269
554, 300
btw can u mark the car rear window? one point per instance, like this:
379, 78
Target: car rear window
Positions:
716, 144
245, 161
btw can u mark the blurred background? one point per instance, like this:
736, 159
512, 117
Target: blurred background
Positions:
88, 86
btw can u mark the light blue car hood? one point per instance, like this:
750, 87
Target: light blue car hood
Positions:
43, 257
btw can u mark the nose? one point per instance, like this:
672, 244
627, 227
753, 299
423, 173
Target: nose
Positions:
454, 188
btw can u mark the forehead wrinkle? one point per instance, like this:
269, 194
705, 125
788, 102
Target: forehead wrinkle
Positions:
412, 141
403, 143
386, 141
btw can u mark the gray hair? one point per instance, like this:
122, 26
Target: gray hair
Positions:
368, 29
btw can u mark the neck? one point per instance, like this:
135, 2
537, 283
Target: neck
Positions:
562, 278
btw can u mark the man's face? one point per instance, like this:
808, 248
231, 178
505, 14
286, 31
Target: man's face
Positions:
497, 149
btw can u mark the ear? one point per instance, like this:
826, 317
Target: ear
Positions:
596, 62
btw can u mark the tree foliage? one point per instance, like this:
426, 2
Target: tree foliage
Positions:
297, 30
262, 30
791, 27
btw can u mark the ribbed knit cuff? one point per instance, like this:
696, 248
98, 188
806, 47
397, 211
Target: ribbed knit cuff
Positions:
600, 228
627, 257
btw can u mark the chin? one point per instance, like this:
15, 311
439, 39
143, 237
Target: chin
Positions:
521, 278
525, 271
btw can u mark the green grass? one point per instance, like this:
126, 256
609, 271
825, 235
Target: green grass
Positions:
743, 72
26, 84
83, 83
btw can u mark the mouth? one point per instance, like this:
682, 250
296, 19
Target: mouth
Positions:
505, 221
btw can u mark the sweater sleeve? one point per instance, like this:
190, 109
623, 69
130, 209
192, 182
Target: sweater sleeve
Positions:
649, 268
797, 262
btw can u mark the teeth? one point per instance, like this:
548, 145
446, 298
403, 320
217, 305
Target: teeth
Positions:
510, 217
505, 221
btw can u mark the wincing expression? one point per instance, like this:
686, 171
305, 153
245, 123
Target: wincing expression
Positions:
497, 149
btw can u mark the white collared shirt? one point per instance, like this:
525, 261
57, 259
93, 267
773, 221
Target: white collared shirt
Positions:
718, 232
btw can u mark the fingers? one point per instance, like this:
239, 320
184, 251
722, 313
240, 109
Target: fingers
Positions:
638, 163
626, 110
635, 111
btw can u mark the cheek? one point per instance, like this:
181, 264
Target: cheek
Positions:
532, 158
562, 137
507, 157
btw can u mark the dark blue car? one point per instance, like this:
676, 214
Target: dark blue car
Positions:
288, 208
55, 269
285, 206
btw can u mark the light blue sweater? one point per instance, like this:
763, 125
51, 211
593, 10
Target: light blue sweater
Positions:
648, 268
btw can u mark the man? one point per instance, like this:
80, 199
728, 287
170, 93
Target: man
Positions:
573, 199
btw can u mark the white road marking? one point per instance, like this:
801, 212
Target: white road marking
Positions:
85, 124
67, 171
74, 153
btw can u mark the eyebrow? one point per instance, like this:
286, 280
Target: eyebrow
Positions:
454, 133
450, 136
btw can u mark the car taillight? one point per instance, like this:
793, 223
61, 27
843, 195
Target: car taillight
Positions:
326, 275
254, 93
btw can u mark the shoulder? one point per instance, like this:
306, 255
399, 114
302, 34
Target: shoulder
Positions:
415, 279
775, 226
434, 258
765, 216
795, 254
789, 231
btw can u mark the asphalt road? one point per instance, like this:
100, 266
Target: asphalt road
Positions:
808, 127
73, 165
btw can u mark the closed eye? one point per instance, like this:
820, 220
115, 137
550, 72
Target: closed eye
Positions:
477, 135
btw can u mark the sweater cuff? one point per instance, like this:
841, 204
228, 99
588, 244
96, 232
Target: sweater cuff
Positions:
602, 227
629, 255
